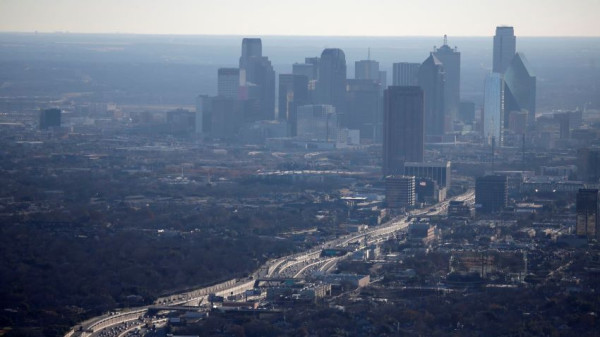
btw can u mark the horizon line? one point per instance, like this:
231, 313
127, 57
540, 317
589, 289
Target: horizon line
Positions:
280, 35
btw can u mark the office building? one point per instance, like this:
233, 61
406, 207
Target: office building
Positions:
257, 80
432, 81
450, 58
399, 191
317, 122
293, 92
364, 108
366, 70
331, 86
564, 120
438, 172
588, 165
505, 44
491, 193
305, 69
520, 91
383, 79
402, 128
50, 118
493, 109
228, 83
587, 214
203, 119
227, 116
405, 73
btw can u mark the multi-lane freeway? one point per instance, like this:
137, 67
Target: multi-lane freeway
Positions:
294, 266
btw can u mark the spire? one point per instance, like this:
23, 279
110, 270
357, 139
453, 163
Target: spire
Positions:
369, 54
445, 40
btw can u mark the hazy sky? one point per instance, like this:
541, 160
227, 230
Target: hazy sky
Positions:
304, 17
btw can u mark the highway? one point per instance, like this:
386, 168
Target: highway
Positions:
298, 265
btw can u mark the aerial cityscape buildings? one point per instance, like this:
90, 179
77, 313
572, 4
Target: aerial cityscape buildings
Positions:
272, 199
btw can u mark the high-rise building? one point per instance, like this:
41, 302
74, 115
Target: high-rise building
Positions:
399, 191
520, 91
383, 79
366, 70
505, 44
228, 83
332, 79
491, 193
588, 165
493, 109
317, 122
305, 69
251, 47
227, 116
405, 73
564, 120
432, 81
364, 110
293, 92
203, 114
402, 128
450, 58
587, 213
257, 79
50, 118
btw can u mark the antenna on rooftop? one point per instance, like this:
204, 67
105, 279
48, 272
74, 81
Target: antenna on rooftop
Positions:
445, 40
369, 53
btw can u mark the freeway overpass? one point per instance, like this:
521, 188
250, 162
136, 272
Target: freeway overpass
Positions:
295, 265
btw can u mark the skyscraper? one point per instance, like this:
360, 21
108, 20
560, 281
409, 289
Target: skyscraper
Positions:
228, 83
432, 81
332, 79
504, 48
399, 191
203, 114
491, 193
364, 109
520, 89
258, 80
588, 165
493, 108
405, 73
50, 118
293, 92
251, 47
450, 58
587, 213
402, 128
366, 70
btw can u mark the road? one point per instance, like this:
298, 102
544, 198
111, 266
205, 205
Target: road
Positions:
294, 266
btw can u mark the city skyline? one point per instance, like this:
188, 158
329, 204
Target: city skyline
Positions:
264, 17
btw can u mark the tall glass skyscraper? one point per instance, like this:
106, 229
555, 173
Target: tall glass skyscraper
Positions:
432, 81
403, 134
520, 87
450, 58
258, 80
331, 86
493, 108
505, 44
